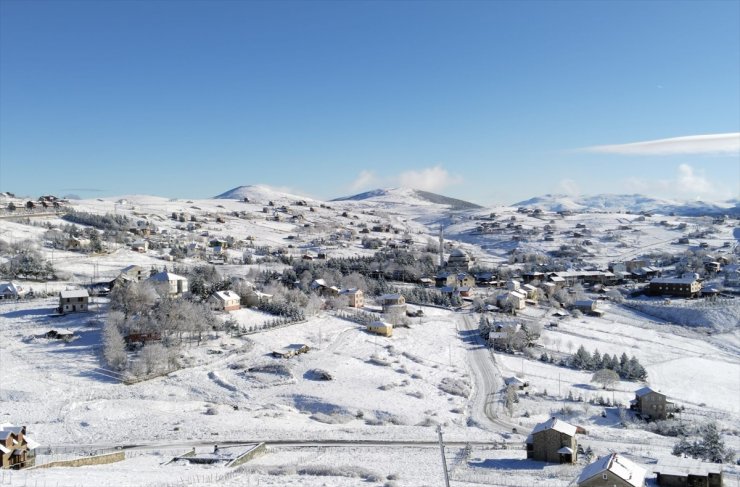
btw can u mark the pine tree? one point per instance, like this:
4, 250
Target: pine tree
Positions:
596, 360
712, 448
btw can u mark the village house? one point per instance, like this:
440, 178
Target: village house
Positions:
684, 472
380, 328
651, 404
392, 303
255, 297
176, 285
75, 243
687, 287
553, 441
225, 301
444, 279
73, 301
10, 290
355, 297
515, 300
587, 306
140, 246
17, 450
135, 272
613, 470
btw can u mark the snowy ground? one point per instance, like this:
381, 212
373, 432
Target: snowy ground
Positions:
383, 389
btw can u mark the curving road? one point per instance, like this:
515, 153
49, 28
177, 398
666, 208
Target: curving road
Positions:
486, 399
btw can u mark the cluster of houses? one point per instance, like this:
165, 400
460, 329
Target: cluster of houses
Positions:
555, 441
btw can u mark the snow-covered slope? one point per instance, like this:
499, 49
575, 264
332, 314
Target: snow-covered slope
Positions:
260, 193
407, 196
630, 202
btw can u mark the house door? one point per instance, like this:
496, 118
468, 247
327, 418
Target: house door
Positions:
74, 307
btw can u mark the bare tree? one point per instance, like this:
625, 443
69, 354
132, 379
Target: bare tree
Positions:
605, 377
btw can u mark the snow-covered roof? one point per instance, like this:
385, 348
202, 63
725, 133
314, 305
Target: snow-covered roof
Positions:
74, 293
226, 295
618, 465
391, 297
380, 324
673, 280
167, 277
644, 391
9, 288
557, 425
686, 466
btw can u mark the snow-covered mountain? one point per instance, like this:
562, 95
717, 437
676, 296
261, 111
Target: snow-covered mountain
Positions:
630, 202
260, 193
406, 196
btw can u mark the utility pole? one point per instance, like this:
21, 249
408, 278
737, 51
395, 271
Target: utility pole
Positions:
444, 459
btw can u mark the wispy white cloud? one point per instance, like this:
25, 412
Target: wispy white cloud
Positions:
428, 179
722, 144
434, 178
686, 183
689, 181
569, 187
365, 180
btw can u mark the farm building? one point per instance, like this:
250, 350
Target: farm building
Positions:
380, 328
684, 472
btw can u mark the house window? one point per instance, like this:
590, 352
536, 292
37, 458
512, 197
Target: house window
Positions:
604, 476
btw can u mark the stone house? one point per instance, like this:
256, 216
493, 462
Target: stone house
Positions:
17, 450
613, 470
73, 301
683, 472
651, 404
553, 441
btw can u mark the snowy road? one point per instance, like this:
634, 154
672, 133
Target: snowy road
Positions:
484, 403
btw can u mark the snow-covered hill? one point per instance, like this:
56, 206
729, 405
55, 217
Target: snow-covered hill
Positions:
405, 196
260, 193
630, 202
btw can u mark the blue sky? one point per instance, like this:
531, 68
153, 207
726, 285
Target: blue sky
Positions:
489, 101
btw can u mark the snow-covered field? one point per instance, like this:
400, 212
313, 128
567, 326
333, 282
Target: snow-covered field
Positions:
392, 392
